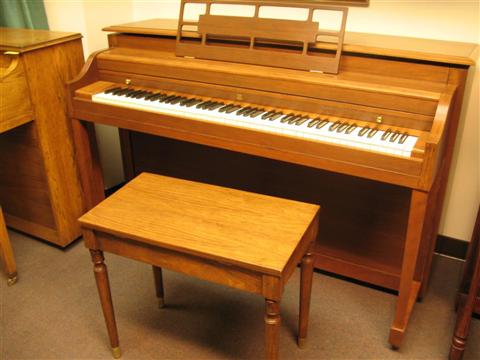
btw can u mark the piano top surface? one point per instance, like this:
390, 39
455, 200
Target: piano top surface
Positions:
22, 40
449, 52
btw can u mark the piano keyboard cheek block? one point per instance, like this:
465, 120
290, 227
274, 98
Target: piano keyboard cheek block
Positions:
372, 148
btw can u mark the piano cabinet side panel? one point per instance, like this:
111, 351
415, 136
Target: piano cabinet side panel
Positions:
23, 184
362, 224
48, 69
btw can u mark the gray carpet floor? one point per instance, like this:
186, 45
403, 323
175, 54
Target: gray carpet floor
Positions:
53, 312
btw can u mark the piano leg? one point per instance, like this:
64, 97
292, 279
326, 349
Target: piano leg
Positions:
88, 162
409, 286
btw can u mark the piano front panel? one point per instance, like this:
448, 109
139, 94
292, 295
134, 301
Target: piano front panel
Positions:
366, 215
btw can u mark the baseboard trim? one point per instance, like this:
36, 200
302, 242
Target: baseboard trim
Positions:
451, 247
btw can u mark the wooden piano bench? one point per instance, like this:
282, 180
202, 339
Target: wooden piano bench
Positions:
243, 240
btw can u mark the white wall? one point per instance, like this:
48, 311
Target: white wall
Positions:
445, 20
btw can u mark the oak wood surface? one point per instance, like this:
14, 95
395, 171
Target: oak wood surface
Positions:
234, 241
46, 61
23, 40
179, 214
362, 43
15, 106
374, 239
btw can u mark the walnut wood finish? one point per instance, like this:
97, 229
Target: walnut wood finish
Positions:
469, 294
380, 213
101, 277
39, 188
243, 240
256, 38
6, 252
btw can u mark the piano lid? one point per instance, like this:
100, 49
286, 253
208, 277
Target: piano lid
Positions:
449, 52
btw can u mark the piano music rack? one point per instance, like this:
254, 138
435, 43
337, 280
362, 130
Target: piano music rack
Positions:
261, 40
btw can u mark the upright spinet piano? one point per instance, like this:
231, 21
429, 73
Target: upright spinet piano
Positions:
372, 144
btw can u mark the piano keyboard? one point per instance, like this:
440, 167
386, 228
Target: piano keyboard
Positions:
279, 122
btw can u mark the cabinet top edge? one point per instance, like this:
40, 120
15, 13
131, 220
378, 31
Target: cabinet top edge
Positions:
450, 52
23, 40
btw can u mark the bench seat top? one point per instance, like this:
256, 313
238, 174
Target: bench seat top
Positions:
255, 231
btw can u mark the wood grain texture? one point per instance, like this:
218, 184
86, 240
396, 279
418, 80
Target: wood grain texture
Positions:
384, 238
243, 240
54, 66
22, 40
15, 106
360, 43
24, 190
184, 215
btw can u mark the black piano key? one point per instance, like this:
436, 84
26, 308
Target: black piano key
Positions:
249, 111
232, 109
257, 112
267, 114
120, 91
394, 136
166, 99
287, 117
372, 132
133, 93
292, 120
335, 125
225, 108
108, 91
275, 116
350, 129
403, 138
322, 123
163, 97
142, 94
193, 102
363, 131
176, 100
313, 122
128, 91
386, 134
243, 110
185, 101
203, 104
343, 127
149, 97
301, 120
216, 106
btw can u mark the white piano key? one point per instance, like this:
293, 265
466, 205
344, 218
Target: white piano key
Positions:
374, 143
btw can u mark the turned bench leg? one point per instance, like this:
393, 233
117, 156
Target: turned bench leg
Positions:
158, 278
306, 277
272, 329
6, 253
101, 277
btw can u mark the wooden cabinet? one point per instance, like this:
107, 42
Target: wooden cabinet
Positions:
39, 188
